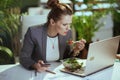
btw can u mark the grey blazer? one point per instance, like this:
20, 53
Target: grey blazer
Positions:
34, 46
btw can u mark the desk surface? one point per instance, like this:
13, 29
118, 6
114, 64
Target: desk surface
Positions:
17, 72
111, 73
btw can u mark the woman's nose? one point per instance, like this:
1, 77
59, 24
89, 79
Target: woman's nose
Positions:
68, 28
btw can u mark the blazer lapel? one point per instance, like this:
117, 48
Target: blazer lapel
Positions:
61, 46
44, 38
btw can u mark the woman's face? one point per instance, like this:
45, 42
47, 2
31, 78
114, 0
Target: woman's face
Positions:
62, 26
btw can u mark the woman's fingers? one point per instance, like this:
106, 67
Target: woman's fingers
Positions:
39, 66
42, 69
83, 40
40, 62
80, 45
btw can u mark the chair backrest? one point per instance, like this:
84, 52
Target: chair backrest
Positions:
28, 20
35, 11
38, 11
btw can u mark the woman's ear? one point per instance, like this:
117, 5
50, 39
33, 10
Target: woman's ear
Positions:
52, 22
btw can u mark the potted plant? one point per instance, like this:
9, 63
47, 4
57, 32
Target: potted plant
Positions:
9, 27
10, 24
85, 27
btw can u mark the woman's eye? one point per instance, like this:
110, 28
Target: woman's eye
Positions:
64, 24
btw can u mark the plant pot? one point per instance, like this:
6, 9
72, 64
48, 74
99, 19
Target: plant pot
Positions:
84, 52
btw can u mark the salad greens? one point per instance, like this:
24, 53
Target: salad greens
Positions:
72, 64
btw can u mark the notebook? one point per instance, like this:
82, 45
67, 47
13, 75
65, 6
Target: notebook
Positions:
101, 55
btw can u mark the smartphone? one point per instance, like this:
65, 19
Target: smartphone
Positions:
46, 65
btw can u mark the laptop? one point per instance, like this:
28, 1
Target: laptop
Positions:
101, 55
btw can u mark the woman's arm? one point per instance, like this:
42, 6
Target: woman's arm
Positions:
27, 50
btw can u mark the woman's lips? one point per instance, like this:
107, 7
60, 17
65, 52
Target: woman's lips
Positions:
65, 32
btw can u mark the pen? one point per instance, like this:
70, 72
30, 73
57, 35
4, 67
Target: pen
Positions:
50, 71
35, 72
46, 71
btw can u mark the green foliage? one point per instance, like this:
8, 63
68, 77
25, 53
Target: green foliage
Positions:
116, 19
6, 56
5, 4
9, 28
86, 26
72, 64
25, 4
29, 2
10, 24
116, 16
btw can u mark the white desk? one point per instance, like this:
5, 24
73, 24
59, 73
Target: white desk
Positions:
17, 72
111, 73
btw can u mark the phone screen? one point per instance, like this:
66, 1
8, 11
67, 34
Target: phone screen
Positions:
46, 65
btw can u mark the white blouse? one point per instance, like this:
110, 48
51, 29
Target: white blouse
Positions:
52, 49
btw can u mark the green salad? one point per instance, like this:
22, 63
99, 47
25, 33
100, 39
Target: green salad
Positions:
72, 64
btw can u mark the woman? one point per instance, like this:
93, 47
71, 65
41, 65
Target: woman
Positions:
48, 42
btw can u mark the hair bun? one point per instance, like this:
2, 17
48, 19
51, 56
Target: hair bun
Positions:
52, 3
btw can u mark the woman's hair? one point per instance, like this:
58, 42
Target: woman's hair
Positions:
57, 10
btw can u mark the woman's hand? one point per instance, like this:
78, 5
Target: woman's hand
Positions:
40, 67
118, 56
79, 45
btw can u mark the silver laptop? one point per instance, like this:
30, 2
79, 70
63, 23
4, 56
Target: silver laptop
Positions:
101, 55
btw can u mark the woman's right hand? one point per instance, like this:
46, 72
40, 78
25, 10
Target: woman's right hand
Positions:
39, 66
